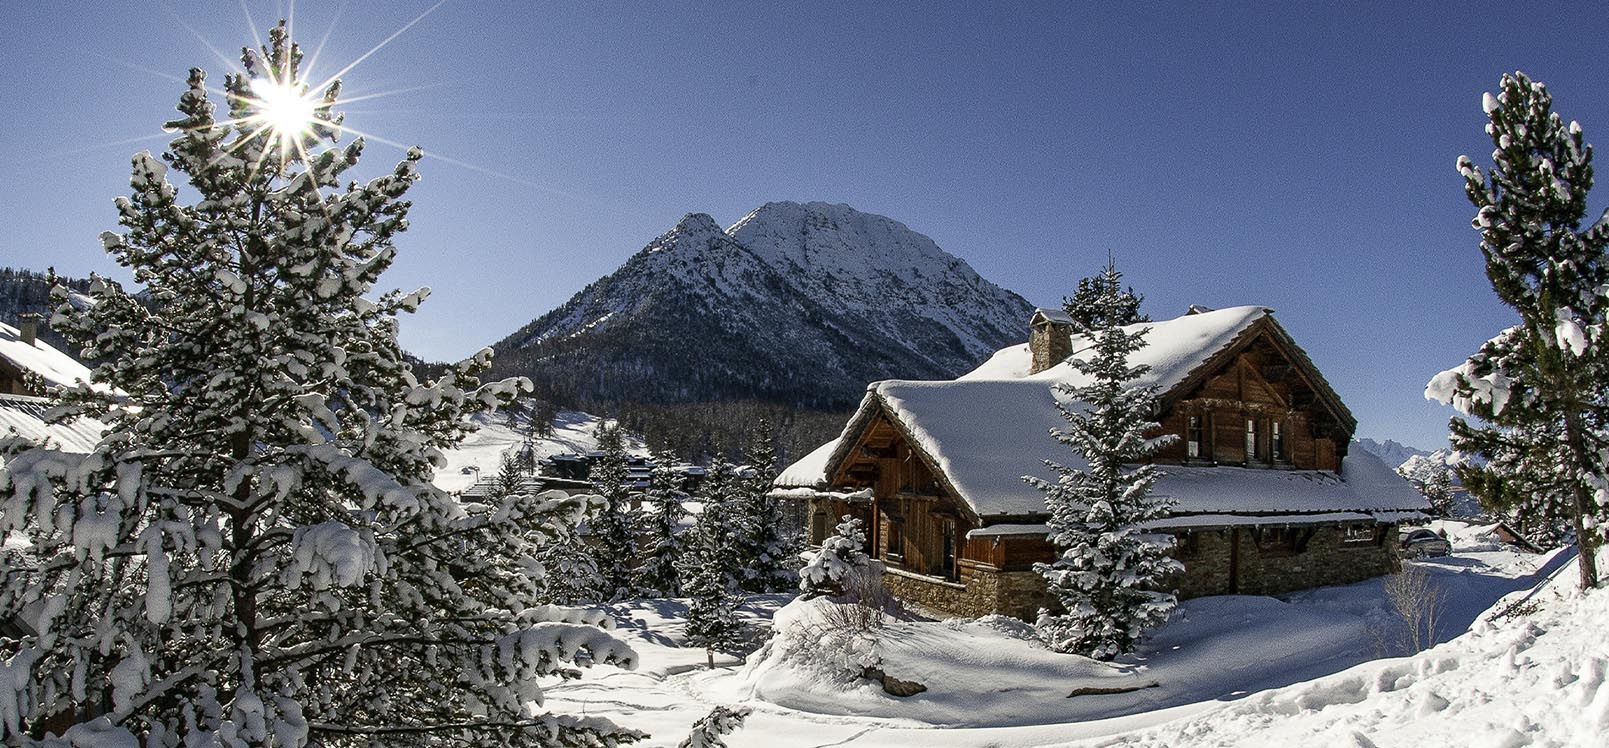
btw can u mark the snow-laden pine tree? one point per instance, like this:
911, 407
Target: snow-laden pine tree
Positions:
1110, 573
1542, 385
1089, 306
767, 544
826, 570
614, 527
1438, 490
253, 554
570, 571
659, 575
712, 565
1519, 484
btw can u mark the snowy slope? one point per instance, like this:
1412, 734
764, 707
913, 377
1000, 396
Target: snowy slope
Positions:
988, 687
1527, 680
481, 453
801, 304
882, 275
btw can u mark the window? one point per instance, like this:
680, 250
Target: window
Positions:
1251, 439
947, 554
818, 528
1357, 535
893, 543
1278, 437
1278, 542
1193, 437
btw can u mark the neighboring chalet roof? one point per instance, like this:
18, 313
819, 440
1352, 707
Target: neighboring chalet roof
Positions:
56, 368
985, 430
21, 415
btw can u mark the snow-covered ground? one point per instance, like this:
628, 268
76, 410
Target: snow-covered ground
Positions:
1213, 666
572, 433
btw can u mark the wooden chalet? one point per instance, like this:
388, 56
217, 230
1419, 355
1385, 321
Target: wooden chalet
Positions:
1267, 498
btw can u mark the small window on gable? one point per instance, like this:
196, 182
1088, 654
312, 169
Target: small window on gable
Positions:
1193, 437
1251, 439
1277, 436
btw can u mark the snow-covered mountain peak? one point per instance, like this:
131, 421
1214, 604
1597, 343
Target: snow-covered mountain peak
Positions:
697, 223
799, 302
837, 239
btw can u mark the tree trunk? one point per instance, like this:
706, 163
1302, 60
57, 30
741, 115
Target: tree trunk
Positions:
710, 651
1586, 549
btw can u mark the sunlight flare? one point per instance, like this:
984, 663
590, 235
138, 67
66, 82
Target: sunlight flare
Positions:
285, 107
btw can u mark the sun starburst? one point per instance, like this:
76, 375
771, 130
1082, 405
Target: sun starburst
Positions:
286, 108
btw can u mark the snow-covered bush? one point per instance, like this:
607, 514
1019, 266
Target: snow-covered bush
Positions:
254, 554
825, 570
810, 643
709, 730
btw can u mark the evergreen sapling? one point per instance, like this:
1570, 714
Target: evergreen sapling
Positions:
614, 527
713, 563
1109, 576
767, 545
659, 575
828, 570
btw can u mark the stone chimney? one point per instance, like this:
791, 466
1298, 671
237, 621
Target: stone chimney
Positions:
1050, 339
28, 328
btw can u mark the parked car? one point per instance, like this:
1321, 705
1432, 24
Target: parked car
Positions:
1420, 543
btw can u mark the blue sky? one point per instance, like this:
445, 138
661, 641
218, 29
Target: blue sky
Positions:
1297, 155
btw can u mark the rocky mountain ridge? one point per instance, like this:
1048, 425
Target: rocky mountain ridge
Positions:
800, 304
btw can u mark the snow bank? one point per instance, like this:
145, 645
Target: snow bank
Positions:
1531, 671
985, 672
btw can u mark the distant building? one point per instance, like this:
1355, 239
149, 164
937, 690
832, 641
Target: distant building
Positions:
28, 365
24, 357
1267, 498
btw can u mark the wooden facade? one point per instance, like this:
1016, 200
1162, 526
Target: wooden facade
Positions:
1258, 407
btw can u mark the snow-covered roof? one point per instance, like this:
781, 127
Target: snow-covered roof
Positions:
1173, 349
24, 416
809, 471
987, 429
1195, 521
1255, 520
1009, 528
56, 368
863, 495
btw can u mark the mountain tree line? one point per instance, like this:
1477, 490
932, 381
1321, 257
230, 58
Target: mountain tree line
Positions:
27, 292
